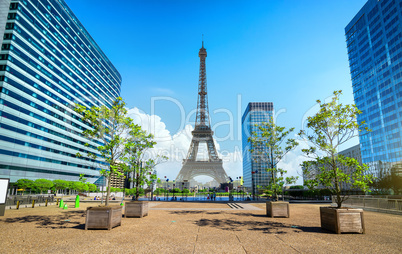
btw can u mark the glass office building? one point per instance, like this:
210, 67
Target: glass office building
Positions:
49, 62
254, 172
374, 43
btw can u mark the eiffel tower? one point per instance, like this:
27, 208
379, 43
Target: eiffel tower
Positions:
202, 133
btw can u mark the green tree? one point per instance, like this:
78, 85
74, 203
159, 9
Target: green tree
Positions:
332, 126
25, 184
159, 191
185, 191
176, 190
296, 187
115, 190
270, 145
70, 186
43, 185
110, 126
79, 186
92, 187
60, 185
140, 163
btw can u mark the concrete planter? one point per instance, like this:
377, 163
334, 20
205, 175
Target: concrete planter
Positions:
106, 217
343, 220
278, 209
136, 209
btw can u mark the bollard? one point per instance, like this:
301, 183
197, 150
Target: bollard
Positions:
18, 204
57, 201
77, 202
33, 203
46, 203
61, 203
65, 207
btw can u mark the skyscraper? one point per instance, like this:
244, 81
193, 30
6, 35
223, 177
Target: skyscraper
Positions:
254, 172
374, 43
49, 62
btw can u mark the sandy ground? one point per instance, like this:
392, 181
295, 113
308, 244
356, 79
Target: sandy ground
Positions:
181, 227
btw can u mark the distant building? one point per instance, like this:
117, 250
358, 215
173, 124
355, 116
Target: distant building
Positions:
183, 185
254, 172
49, 62
117, 181
374, 42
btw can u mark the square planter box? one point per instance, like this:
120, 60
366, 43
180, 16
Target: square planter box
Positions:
137, 209
278, 209
106, 217
344, 220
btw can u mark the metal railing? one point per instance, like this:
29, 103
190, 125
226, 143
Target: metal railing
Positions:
24, 200
370, 203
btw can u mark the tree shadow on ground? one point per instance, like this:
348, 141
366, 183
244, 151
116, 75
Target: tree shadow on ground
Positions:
235, 225
266, 227
186, 212
68, 219
250, 215
192, 212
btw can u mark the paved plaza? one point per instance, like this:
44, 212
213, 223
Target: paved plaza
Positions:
187, 227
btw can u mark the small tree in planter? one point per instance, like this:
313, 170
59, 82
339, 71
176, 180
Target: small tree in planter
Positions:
139, 161
140, 165
331, 127
110, 127
270, 145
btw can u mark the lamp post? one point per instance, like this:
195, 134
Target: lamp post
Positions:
252, 184
167, 196
283, 196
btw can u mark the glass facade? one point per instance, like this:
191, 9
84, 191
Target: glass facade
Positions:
254, 172
49, 62
374, 44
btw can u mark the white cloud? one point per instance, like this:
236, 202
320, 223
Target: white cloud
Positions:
291, 162
176, 146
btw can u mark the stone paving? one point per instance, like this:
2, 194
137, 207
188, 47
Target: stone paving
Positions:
184, 227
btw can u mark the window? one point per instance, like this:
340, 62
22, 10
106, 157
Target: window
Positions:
11, 15
10, 26
13, 6
5, 46
7, 36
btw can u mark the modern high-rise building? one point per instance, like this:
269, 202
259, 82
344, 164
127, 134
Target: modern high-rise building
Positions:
254, 171
374, 44
49, 62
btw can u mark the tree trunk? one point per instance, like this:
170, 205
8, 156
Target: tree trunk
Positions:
273, 175
108, 190
137, 188
337, 187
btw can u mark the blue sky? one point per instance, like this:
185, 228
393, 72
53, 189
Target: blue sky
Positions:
287, 52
